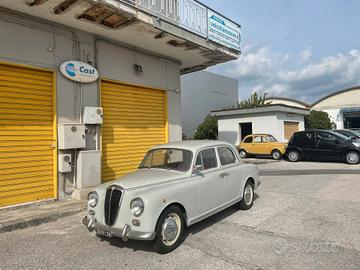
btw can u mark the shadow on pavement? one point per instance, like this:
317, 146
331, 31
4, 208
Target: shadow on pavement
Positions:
192, 230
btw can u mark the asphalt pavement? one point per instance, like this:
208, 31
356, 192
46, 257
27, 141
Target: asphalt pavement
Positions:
302, 222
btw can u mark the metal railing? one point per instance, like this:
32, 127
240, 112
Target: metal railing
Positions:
187, 14
192, 16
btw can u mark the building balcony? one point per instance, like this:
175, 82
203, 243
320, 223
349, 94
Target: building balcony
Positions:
184, 31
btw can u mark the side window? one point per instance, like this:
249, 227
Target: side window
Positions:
226, 156
258, 139
207, 158
325, 137
248, 140
304, 137
199, 161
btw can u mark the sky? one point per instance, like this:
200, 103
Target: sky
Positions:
298, 49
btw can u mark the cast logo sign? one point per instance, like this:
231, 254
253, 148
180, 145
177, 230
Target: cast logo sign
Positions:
79, 72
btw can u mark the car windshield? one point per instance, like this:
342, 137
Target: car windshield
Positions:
349, 133
167, 159
270, 138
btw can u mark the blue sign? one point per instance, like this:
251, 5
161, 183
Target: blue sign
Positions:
224, 31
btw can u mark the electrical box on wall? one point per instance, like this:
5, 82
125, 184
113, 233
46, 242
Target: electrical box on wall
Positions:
93, 115
71, 136
88, 173
65, 163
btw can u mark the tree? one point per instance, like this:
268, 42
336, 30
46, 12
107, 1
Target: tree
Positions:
255, 100
318, 120
208, 130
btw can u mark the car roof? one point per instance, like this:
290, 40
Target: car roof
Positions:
192, 145
323, 130
258, 134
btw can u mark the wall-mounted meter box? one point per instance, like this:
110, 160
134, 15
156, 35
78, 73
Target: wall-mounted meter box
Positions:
93, 115
71, 136
65, 163
88, 172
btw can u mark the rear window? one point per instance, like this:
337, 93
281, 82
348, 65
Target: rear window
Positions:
258, 139
226, 156
248, 140
303, 137
207, 158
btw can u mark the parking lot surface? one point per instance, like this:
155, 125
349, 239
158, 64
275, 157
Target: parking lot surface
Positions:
297, 222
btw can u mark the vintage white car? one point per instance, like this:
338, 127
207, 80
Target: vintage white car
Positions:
176, 185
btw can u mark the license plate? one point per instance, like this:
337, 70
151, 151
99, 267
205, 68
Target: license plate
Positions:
102, 232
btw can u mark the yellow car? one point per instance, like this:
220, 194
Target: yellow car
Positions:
262, 144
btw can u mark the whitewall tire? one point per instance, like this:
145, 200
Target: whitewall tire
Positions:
247, 200
169, 230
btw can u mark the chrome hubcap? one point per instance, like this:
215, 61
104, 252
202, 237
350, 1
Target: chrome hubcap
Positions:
293, 156
242, 153
276, 155
248, 194
170, 229
353, 158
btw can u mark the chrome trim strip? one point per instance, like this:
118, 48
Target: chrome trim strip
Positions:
214, 211
124, 233
115, 187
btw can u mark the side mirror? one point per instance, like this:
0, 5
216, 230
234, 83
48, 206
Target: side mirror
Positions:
198, 168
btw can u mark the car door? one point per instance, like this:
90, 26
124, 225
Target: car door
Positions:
209, 183
328, 145
247, 144
230, 173
259, 145
306, 142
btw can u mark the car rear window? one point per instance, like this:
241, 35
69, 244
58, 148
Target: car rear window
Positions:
226, 156
258, 139
207, 158
248, 140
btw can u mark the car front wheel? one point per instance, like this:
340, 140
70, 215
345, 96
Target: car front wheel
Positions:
294, 156
248, 197
352, 158
276, 154
169, 230
242, 153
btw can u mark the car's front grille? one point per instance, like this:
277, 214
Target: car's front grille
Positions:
112, 204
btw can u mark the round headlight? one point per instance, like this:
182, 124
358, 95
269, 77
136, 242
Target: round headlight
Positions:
137, 207
93, 199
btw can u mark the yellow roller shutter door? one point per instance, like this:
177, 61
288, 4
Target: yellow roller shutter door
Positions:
135, 119
27, 155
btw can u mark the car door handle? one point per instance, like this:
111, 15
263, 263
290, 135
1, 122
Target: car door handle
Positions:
223, 175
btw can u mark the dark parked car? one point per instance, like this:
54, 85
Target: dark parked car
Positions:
323, 145
349, 133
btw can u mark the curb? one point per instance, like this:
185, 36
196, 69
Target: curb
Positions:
308, 172
38, 220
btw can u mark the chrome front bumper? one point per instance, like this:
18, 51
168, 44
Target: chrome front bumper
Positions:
125, 233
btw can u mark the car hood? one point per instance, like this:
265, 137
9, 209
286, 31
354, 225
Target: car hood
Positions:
145, 177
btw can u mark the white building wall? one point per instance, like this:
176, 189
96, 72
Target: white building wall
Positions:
268, 123
345, 99
203, 92
229, 128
